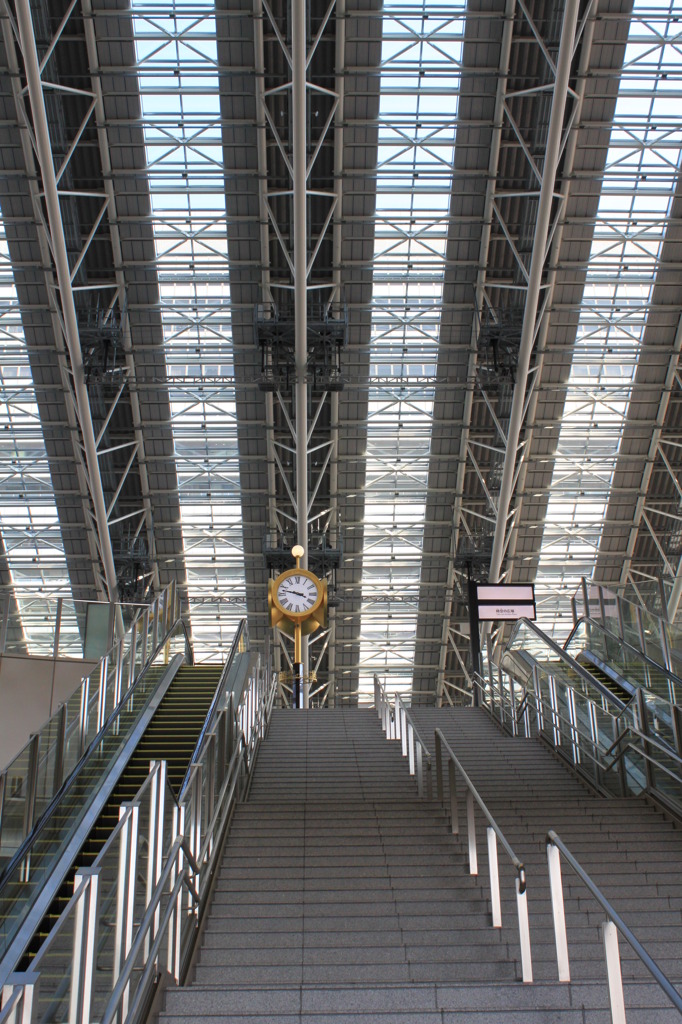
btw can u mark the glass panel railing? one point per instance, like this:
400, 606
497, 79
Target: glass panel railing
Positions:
27, 783
35, 860
628, 662
60, 627
622, 751
25, 876
148, 907
640, 627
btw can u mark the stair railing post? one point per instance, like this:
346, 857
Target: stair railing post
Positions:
59, 751
410, 746
439, 764
524, 929
554, 706
403, 730
25, 1010
31, 782
512, 692
538, 700
677, 727
84, 959
221, 755
118, 680
125, 893
175, 923
211, 787
429, 779
157, 800
613, 972
420, 769
195, 824
102, 692
454, 805
573, 723
644, 728
471, 833
83, 717
494, 870
558, 912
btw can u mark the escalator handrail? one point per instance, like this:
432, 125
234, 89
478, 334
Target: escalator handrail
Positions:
629, 728
628, 646
85, 757
41, 904
564, 657
208, 721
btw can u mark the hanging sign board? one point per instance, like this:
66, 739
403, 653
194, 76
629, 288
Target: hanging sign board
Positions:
505, 601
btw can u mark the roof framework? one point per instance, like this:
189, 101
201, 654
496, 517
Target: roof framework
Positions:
492, 206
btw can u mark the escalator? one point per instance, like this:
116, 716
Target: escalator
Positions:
619, 688
162, 719
604, 653
171, 736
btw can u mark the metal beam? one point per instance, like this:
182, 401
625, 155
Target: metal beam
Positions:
66, 296
538, 263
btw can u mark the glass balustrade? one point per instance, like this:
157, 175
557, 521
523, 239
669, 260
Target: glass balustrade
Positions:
148, 886
33, 778
539, 689
26, 873
641, 628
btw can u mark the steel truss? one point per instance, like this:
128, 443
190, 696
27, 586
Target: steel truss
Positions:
77, 291
301, 420
416, 127
515, 284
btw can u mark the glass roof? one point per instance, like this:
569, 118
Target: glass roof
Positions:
638, 185
29, 524
417, 116
420, 76
178, 74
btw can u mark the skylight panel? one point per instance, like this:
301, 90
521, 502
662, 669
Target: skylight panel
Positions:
178, 73
414, 178
638, 185
29, 524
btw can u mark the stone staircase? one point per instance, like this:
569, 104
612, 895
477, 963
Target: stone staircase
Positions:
344, 898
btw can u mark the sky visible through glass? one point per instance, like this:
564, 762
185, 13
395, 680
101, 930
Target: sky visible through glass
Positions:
639, 180
178, 73
29, 522
416, 139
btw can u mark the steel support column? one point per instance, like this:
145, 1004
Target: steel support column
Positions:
537, 265
63, 271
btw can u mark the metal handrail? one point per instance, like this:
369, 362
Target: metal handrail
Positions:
640, 655
563, 656
631, 739
92, 749
610, 928
210, 717
413, 747
178, 868
407, 714
398, 724
495, 834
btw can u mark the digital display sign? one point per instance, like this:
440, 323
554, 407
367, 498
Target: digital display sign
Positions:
505, 601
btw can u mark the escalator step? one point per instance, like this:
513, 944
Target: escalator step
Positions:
171, 736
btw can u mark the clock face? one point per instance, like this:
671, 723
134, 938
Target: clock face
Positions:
297, 594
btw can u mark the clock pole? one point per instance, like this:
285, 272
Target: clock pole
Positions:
297, 604
300, 695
